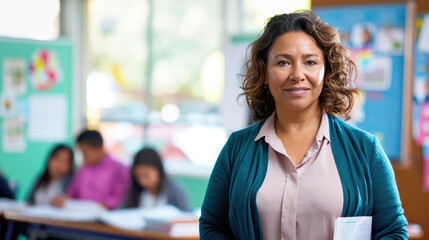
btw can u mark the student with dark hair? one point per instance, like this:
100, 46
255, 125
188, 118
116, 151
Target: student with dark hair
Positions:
56, 176
5, 191
101, 178
150, 185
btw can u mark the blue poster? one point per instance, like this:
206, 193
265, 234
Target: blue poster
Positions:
374, 34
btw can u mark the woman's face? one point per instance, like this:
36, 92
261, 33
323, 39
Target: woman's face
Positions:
295, 70
60, 164
147, 176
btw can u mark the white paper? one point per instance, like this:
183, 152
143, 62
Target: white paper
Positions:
48, 118
131, 219
13, 139
353, 228
134, 218
423, 42
420, 89
390, 40
12, 205
14, 72
74, 210
375, 73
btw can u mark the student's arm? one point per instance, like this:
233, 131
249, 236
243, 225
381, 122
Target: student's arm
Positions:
31, 197
72, 190
118, 188
214, 223
388, 216
176, 195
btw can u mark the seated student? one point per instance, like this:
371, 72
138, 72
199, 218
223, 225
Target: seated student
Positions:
55, 178
151, 186
101, 178
5, 191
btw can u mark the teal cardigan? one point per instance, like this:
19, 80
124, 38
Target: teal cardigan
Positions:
229, 210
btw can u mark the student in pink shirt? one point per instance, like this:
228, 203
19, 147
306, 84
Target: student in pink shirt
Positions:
101, 178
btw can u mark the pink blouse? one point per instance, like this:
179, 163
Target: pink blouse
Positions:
299, 202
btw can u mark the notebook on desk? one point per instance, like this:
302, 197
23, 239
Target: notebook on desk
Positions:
166, 219
13, 205
178, 226
73, 210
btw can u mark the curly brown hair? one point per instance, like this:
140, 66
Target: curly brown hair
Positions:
337, 96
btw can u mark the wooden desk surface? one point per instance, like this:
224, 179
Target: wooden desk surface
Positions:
90, 226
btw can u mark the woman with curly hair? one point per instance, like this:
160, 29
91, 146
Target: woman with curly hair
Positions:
299, 167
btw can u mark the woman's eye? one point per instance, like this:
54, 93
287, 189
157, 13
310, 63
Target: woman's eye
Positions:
283, 63
311, 62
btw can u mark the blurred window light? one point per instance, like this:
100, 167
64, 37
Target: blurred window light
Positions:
170, 113
257, 12
101, 90
117, 48
178, 111
30, 19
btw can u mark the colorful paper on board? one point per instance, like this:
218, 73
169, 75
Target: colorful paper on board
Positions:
423, 42
14, 72
423, 123
8, 106
45, 69
425, 148
13, 138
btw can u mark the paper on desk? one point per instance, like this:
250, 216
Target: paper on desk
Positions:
12, 205
74, 210
134, 218
130, 218
353, 228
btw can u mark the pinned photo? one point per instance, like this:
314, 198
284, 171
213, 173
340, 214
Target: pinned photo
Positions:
14, 73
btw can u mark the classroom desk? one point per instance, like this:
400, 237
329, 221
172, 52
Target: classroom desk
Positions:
78, 230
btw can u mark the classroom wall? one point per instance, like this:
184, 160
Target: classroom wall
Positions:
22, 166
422, 5
409, 178
195, 187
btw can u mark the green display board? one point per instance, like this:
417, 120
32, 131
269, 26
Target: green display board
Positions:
35, 110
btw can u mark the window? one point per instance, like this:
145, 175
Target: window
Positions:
158, 75
135, 103
256, 12
30, 19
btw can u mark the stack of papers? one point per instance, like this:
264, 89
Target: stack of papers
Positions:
166, 219
353, 228
12, 205
131, 218
73, 210
175, 223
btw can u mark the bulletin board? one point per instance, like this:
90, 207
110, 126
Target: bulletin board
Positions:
377, 38
35, 110
421, 80
421, 92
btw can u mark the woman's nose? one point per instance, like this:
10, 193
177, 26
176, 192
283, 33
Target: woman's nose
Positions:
297, 73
